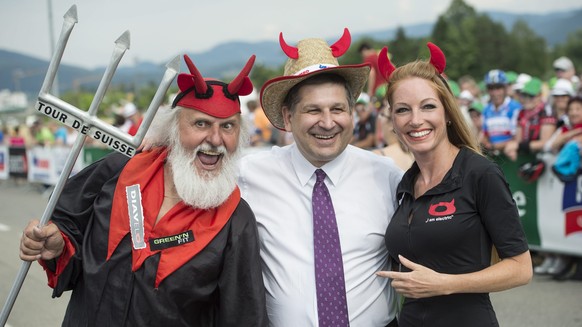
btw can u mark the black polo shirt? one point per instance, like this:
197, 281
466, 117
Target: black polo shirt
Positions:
451, 230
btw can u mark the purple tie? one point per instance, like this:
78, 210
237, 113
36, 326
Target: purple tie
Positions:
332, 306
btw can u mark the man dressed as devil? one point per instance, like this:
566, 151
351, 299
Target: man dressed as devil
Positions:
163, 238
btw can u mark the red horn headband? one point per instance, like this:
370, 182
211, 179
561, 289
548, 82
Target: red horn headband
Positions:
341, 46
241, 84
211, 96
199, 82
337, 49
437, 59
384, 64
291, 52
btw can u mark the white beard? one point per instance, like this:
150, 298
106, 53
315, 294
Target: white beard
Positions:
206, 190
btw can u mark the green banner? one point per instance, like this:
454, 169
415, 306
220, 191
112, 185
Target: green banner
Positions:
92, 154
524, 194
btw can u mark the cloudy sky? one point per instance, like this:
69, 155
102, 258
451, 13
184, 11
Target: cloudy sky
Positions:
161, 29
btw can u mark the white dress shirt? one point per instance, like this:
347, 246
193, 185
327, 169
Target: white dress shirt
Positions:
278, 185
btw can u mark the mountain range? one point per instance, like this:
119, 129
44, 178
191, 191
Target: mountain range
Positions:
25, 73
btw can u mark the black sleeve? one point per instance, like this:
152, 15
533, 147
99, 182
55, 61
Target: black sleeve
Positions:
74, 210
242, 291
499, 213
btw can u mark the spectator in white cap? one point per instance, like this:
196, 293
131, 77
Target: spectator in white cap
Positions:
365, 127
122, 116
465, 99
520, 82
560, 94
564, 68
132, 114
129, 109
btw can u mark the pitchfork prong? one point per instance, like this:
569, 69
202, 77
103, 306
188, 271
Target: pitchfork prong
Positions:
71, 14
68, 24
172, 69
123, 40
121, 45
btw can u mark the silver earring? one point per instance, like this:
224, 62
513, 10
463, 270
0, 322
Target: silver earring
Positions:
449, 123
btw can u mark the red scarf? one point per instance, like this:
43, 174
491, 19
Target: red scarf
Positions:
147, 170
566, 128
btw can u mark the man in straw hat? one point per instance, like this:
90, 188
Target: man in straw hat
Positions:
163, 238
321, 192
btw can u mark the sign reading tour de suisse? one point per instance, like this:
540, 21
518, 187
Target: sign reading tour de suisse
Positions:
92, 131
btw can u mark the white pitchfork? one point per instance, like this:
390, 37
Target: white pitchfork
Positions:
87, 124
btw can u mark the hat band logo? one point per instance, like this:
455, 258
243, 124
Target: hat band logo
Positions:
313, 68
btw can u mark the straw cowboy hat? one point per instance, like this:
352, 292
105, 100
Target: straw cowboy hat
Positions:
311, 57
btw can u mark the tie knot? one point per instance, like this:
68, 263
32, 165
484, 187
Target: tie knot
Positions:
320, 174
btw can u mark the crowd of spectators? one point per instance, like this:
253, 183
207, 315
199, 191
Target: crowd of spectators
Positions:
512, 114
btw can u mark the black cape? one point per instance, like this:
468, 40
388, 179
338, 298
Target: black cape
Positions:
221, 286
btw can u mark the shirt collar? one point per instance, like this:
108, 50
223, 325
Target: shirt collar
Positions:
504, 104
305, 170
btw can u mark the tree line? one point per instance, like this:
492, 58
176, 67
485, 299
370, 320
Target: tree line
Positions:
473, 44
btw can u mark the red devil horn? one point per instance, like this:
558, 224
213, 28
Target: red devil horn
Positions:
239, 84
342, 45
291, 52
199, 82
384, 65
437, 57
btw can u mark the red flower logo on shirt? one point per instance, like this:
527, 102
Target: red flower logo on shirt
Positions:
437, 209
